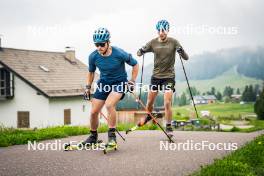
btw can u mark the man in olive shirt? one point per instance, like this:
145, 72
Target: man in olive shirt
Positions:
163, 78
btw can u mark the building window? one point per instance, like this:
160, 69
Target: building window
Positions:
67, 116
23, 119
6, 84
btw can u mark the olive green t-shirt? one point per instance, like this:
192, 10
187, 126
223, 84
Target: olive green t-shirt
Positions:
164, 56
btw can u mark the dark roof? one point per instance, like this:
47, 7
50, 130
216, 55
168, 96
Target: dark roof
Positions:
48, 72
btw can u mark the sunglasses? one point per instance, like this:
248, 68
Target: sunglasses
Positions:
100, 44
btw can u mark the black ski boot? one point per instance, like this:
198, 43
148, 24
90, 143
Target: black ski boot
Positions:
111, 144
92, 139
89, 142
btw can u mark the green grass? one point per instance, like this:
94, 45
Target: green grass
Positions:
225, 113
248, 161
221, 110
12, 136
258, 125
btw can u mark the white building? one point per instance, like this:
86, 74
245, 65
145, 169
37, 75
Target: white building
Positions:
40, 89
203, 99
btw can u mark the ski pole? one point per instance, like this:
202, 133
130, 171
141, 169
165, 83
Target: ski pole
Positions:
153, 118
189, 86
116, 129
141, 79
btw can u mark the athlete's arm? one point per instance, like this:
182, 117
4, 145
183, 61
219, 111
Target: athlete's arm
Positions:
180, 50
90, 78
145, 49
134, 72
183, 54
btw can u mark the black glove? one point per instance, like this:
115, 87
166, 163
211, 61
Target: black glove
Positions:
130, 86
140, 52
87, 93
180, 50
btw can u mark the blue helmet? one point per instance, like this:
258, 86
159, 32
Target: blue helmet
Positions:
163, 25
101, 35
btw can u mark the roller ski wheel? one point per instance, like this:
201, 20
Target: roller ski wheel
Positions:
71, 147
110, 147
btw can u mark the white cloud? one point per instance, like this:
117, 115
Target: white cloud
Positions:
52, 25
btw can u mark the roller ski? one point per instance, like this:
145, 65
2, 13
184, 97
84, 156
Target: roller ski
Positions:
112, 144
90, 143
143, 122
82, 146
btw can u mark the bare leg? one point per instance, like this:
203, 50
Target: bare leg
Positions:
151, 99
96, 108
110, 105
167, 105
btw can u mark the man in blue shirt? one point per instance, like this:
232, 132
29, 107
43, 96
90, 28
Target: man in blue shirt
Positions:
110, 61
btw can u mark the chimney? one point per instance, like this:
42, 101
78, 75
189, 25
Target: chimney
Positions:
70, 54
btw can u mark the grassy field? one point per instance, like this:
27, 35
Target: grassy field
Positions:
224, 113
248, 160
234, 110
12, 136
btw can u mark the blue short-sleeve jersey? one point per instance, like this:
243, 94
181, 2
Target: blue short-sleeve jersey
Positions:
112, 67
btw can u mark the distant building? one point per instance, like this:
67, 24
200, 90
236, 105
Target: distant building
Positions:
40, 89
203, 99
236, 97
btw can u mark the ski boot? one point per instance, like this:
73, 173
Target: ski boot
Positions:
89, 142
112, 144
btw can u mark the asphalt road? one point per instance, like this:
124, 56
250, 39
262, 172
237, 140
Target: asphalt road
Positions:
139, 155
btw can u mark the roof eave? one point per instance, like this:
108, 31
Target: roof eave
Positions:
26, 81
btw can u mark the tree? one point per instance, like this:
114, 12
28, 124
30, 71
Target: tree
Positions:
259, 106
245, 94
238, 91
193, 90
183, 100
213, 91
252, 94
228, 91
249, 94
218, 96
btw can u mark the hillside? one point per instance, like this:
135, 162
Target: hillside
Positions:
210, 65
229, 78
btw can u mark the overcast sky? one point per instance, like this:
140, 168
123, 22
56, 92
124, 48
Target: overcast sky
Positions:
199, 25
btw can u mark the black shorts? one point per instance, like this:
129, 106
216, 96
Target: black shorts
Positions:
162, 84
101, 93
